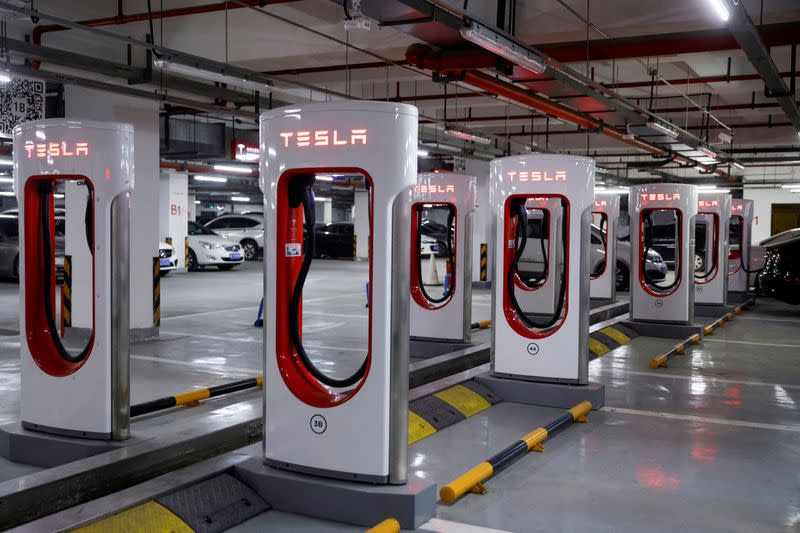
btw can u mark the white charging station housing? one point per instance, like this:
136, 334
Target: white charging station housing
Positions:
713, 220
451, 319
89, 398
603, 284
360, 432
678, 203
557, 353
739, 263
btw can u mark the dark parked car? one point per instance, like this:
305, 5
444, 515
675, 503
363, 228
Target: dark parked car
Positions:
780, 277
334, 240
9, 246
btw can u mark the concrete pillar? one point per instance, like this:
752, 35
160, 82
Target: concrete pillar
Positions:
361, 223
75, 245
482, 219
174, 212
90, 104
191, 209
324, 210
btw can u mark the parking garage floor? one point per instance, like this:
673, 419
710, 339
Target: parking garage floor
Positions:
670, 449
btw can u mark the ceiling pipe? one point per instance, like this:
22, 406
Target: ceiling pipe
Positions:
121, 18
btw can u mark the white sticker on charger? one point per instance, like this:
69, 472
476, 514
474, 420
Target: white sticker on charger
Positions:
293, 249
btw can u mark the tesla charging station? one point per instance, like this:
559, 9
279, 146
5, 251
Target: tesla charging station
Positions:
531, 339
711, 249
741, 227
84, 391
352, 427
446, 316
662, 220
605, 215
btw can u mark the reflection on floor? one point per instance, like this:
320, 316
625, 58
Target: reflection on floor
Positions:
710, 443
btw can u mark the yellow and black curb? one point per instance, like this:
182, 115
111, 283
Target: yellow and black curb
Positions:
609, 338
156, 292
472, 480
149, 516
194, 397
390, 525
66, 295
355, 248
186, 252
484, 262
678, 349
429, 414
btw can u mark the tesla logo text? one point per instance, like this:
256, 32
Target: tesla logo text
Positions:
302, 139
601, 203
737, 207
660, 196
434, 188
708, 203
535, 175
56, 149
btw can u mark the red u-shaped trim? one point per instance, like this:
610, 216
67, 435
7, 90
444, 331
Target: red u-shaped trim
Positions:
297, 378
715, 243
678, 251
416, 291
733, 254
37, 331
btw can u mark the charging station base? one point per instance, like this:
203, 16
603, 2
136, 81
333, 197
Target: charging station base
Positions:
359, 504
712, 310
560, 395
48, 450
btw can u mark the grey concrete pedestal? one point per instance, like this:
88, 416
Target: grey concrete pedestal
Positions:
46, 450
360, 504
544, 394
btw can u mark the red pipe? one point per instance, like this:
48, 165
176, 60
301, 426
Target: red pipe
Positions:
120, 18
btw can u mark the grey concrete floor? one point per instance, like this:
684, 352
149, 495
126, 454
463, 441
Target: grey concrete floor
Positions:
710, 443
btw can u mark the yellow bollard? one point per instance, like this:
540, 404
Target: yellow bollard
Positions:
656, 362
390, 525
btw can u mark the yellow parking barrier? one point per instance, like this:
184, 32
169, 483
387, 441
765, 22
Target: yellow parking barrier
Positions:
390, 525
678, 349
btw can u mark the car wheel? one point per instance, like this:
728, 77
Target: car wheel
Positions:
699, 263
250, 249
192, 261
622, 276
226, 267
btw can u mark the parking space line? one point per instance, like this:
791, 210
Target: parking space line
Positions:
438, 525
703, 419
712, 379
204, 313
751, 343
765, 319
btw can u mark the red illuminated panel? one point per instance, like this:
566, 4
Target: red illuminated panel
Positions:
303, 139
601, 203
424, 189
737, 207
708, 203
56, 149
659, 197
537, 175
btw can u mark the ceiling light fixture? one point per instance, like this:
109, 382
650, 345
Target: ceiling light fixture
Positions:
466, 136
6, 162
212, 179
5, 78
6, 193
663, 128
208, 75
423, 153
719, 7
492, 41
322, 199
4, 179
240, 198
738, 165
237, 169
707, 151
791, 186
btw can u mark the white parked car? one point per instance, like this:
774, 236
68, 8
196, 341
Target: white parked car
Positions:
206, 248
167, 258
246, 229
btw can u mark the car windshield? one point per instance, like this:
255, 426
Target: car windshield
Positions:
197, 229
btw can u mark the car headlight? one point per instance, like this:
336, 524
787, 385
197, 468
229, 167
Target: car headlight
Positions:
209, 246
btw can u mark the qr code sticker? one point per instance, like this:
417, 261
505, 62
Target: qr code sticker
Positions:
21, 100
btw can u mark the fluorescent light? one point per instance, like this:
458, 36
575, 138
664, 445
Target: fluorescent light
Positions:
467, 136
6, 162
238, 169
58, 196
710, 153
721, 10
323, 199
6, 193
791, 186
738, 165
203, 74
443, 147
240, 198
707, 187
423, 153
713, 191
663, 128
4, 179
214, 179
197, 202
494, 42
613, 190
323, 177
4, 78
